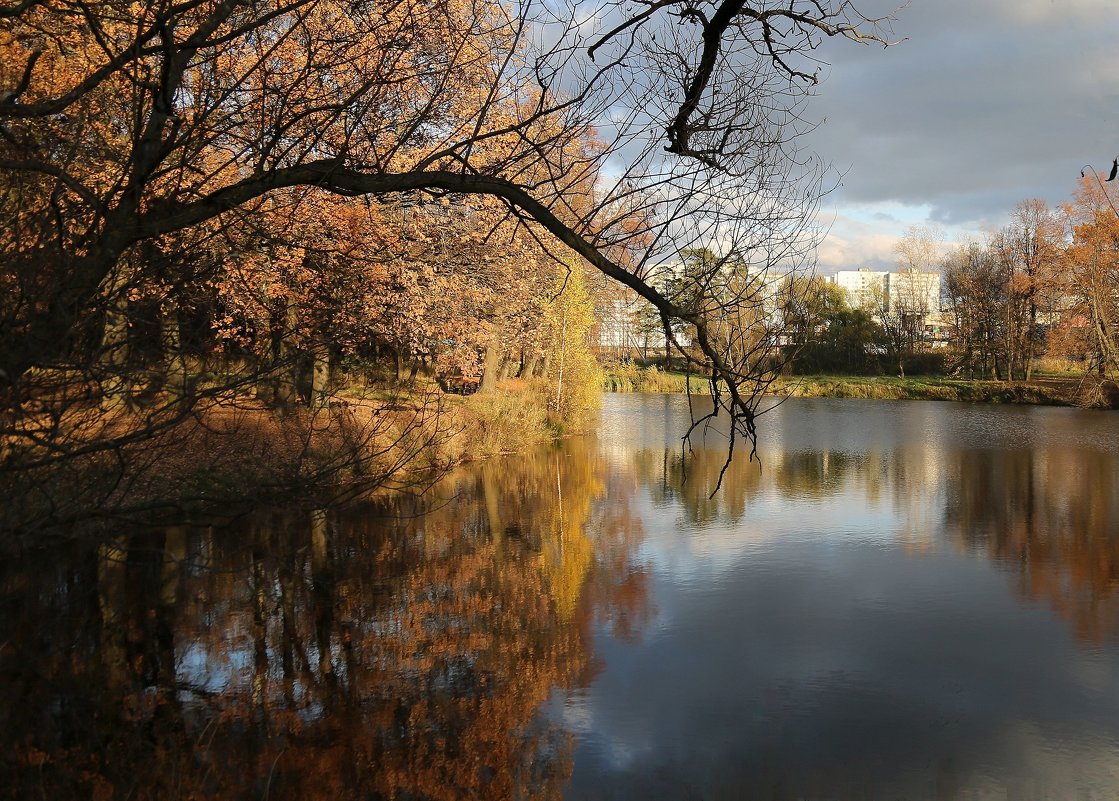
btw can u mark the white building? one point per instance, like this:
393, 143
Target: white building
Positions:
908, 290
914, 291
861, 285
629, 325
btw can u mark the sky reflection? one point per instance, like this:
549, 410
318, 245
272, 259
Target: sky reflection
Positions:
848, 621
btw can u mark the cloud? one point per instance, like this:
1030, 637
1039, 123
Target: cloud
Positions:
985, 103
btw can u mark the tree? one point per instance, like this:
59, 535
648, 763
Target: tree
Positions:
832, 337
919, 248
1092, 273
567, 324
1028, 250
904, 303
915, 290
976, 292
124, 125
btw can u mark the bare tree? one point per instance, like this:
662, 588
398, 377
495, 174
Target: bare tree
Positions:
1028, 251
976, 292
904, 303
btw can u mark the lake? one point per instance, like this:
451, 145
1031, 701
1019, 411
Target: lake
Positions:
896, 600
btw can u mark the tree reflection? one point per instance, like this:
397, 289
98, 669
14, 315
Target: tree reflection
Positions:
1048, 513
1053, 518
674, 478
689, 480
401, 649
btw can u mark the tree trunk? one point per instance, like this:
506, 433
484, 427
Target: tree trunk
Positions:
174, 365
398, 363
1031, 342
489, 368
287, 363
562, 353
115, 347
320, 376
1109, 355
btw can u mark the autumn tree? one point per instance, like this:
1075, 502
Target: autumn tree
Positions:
976, 292
568, 322
1028, 250
1092, 273
125, 125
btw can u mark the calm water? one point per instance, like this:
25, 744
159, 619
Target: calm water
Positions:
904, 600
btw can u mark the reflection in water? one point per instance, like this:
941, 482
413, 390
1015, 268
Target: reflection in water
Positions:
1035, 500
399, 650
589, 622
1052, 517
838, 623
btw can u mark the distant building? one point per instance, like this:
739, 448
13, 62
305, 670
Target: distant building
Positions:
889, 292
861, 285
616, 325
630, 325
914, 291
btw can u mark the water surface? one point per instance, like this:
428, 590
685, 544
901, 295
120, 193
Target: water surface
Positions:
902, 600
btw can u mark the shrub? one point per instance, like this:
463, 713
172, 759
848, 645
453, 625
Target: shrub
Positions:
501, 422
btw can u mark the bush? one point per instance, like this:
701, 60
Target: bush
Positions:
501, 422
928, 363
629, 377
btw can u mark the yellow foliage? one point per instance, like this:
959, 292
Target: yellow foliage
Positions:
574, 378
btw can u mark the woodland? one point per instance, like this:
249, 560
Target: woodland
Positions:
259, 249
218, 213
1043, 285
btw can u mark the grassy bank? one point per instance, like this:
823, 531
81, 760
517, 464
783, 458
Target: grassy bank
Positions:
634, 378
1046, 391
232, 453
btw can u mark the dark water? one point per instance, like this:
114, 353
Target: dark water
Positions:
905, 600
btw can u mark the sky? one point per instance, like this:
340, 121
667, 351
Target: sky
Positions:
979, 105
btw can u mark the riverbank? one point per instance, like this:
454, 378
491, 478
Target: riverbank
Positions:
232, 453
1047, 391
1041, 393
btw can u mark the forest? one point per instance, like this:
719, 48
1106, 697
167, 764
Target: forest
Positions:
261, 249
218, 213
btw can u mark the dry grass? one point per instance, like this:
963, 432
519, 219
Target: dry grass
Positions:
232, 454
630, 377
219, 461
924, 388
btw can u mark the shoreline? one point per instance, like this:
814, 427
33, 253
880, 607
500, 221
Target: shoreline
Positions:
963, 390
1046, 391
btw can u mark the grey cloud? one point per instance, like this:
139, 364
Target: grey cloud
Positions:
985, 104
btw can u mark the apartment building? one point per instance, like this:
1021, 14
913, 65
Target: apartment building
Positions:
882, 291
862, 285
